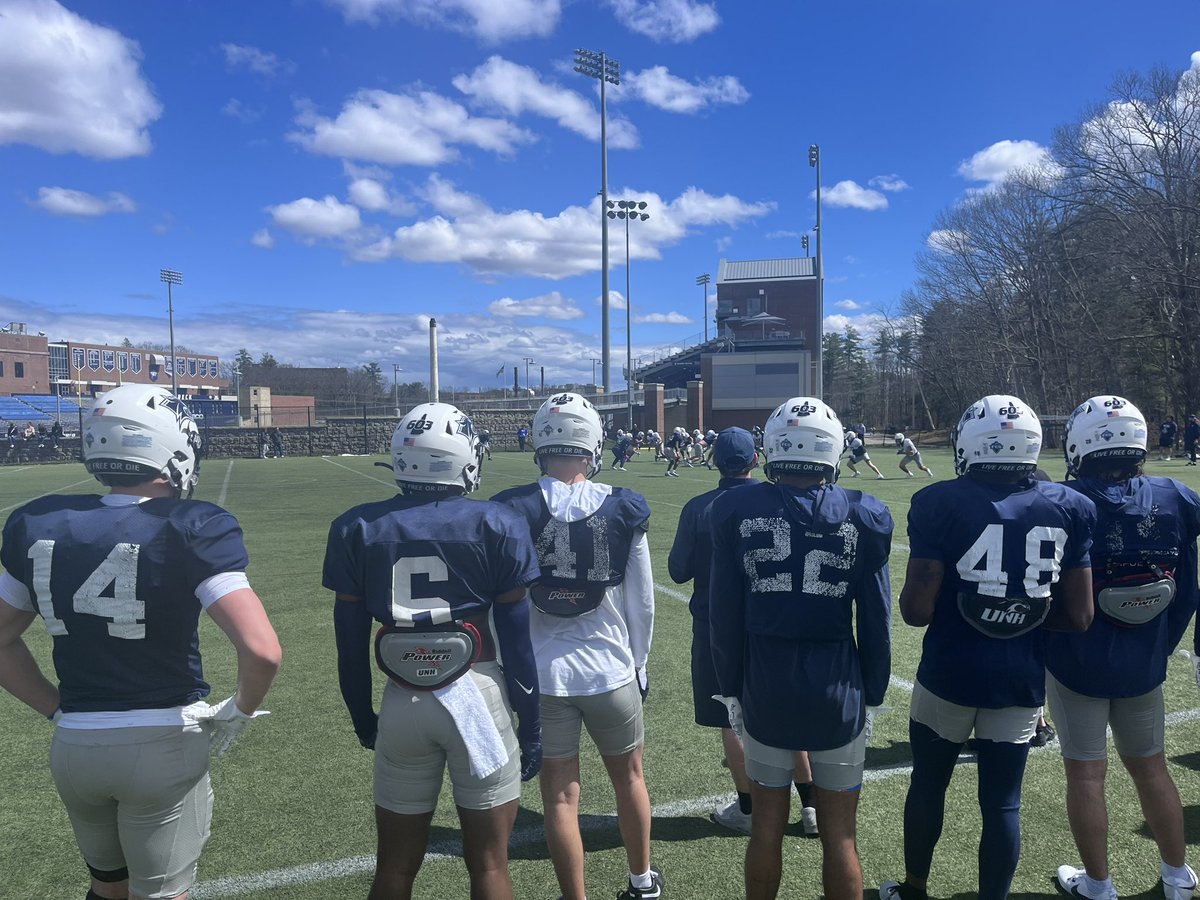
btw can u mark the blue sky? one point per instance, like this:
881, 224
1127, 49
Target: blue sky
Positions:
327, 174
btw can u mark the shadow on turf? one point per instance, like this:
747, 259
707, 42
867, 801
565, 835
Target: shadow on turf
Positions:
1191, 825
895, 753
1188, 761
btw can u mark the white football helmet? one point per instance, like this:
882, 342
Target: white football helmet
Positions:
899, 439
803, 436
1104, 427
435, 447
142, 429
998, 433
568, 425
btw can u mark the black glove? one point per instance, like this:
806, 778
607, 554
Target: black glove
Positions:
531, 759
367, 732
643, 683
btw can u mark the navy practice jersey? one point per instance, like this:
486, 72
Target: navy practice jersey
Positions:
793, 572
417, 562
1005, 543
691, 553
1147, 522
116, 587
593, 550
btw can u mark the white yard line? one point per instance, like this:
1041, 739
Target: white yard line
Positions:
236, 885
390, 483
55, 491
673, 593
225, 485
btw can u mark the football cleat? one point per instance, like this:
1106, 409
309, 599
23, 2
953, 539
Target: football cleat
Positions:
808, 822
894, 890
1072, 881
1174, 891
732, 817
647, 893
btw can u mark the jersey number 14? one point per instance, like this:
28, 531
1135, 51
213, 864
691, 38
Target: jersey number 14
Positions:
118, 571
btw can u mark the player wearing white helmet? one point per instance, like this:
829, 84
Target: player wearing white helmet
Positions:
799, 565
591, 631
911, 454
858, 454
120, 582
673, 449
436, 571
995, 555
1111, 676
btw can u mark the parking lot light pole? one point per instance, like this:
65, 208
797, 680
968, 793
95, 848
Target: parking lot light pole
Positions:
170, 276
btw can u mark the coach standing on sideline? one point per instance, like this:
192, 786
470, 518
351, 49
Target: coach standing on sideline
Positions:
796, 566
131, 751
689, 560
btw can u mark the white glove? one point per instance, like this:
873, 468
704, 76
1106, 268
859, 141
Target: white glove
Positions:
226, 722
869, 727
734, 707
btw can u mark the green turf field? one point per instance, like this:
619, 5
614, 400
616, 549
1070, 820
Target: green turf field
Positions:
293, 814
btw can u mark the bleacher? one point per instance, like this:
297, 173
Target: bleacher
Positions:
49, 406
13, 410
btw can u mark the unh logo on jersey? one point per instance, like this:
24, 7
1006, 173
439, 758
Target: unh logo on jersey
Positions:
804, 409
1014, 615
419, 426
561, 399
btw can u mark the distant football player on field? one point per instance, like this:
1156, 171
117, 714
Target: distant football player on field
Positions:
1111, 676
911, 454
591, 626
120, 581
858, 454
798, 566
430, 565
997, 556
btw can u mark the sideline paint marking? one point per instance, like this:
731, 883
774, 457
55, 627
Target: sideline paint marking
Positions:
236, 885
333, 462
225, 485
55, 491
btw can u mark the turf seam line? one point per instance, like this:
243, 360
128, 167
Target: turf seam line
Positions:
225, 484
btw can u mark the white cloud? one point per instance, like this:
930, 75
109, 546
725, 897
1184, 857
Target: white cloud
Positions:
62, 201
236, 109
71, 86
671, 318
513, 89
238, 56
658, 87
866, 324
553, 306
848, 304
853, 195
890, 183
994, 164
448, 200
616, 300
723, 243
945, 240
311, 220
263, 238
487, 20
671, 21
492, 242
776, 235
417, 129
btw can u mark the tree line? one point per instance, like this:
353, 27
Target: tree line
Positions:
1076, 277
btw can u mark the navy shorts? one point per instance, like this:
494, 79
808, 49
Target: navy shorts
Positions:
709, 712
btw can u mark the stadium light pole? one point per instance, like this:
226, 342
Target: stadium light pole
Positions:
528, 361
629, 210
814, 161
703, 281
170, 276
607, 71
594, 361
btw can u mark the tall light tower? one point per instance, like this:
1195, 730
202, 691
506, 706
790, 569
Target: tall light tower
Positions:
703, 281
170, 276
608, 71
814, 160
528, 363
629, 210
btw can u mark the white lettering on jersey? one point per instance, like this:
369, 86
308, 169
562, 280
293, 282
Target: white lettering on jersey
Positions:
988, 549
404, 605
554, 549
118, 570
815, 559
780, 549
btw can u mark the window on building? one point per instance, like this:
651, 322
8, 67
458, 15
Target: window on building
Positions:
1, 370
19, 369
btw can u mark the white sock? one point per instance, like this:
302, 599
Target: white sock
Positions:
1176, 876
1096, 887
641, 882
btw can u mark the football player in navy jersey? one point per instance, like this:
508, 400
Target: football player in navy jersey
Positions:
429, 565
798, 565
1144, 581
591, 626
120, 582
997, 556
